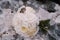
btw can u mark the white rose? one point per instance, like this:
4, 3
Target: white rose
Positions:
25, 23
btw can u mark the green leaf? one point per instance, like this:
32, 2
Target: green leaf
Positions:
43, 25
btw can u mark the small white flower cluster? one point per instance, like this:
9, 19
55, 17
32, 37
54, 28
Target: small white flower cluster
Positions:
7, 37
26, 23
44, 15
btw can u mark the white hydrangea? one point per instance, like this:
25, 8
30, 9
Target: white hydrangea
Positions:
5, 20
57, 19
7, 37
25, 23
43, 14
